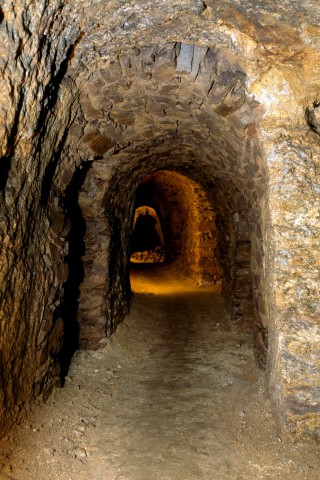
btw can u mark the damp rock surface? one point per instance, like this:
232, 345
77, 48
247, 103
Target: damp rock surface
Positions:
174, 394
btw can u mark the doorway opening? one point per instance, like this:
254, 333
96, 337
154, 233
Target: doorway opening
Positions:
147, 242
184, 226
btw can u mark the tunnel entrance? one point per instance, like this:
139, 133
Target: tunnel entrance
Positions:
189, 151
203, 236
147, 242
184, 227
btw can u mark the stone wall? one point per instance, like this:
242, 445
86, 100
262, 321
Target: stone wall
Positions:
294, 353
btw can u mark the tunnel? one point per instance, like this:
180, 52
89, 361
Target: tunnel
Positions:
185, 136
145, 236
187, 224
191, 158
147, 241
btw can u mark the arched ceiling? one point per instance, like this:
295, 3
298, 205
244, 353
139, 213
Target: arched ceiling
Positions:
174, 106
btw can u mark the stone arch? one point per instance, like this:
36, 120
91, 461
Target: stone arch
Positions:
146, 235
181, 108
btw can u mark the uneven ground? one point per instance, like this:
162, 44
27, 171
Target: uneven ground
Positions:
173, 395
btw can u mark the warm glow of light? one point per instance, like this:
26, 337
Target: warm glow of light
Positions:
160, 280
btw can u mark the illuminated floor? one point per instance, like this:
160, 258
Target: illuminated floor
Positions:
160, 280
173, 395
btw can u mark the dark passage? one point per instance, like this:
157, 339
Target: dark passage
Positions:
144, 235
69, 307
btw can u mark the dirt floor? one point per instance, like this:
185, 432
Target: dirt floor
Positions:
173, 395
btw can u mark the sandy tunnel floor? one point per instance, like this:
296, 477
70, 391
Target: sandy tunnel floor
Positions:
173, 395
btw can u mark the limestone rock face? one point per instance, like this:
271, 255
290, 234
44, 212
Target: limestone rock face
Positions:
34, 43
97, 95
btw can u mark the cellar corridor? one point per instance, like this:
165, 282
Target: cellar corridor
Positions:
195, 124
174, 394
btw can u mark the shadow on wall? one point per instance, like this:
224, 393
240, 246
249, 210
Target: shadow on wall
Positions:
4, 172
69, 308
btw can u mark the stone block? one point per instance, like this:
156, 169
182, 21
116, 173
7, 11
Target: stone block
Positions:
185, 57
98, 143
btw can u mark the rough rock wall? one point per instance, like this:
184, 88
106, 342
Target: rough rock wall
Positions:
35, 112
294, 353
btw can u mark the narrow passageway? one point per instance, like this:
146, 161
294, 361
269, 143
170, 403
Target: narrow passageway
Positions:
173, 395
